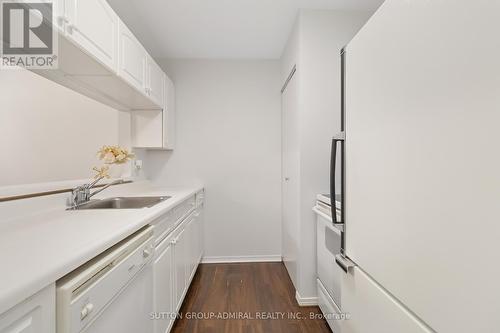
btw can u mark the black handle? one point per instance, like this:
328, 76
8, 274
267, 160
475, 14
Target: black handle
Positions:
333, 166
333, 171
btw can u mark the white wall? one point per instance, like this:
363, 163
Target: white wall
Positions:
229, 139
315, 47
50, 133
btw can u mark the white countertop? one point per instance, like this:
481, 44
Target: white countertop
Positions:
44, 244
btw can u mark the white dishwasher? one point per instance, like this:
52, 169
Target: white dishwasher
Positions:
111, 293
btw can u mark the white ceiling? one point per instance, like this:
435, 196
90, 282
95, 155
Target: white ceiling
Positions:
221, 29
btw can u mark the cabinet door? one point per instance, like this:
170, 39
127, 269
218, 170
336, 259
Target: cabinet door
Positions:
93, 25
180, 268
191, 249
35, 315
163, 288
156, 82
201, 236
169, 115
60, 16
328, 241
133, 59
198, 239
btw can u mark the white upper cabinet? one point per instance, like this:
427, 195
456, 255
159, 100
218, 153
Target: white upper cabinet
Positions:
169, 115
93, 25
99, 57
60, 16
133, 59
156, 130
156, 81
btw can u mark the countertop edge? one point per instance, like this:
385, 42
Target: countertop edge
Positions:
20, 293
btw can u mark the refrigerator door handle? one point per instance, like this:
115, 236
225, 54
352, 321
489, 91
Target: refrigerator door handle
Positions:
345, 263
333, 170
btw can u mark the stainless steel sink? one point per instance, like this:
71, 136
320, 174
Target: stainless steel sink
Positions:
122, 203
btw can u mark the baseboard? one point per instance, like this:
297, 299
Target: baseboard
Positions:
237, 259
306, 301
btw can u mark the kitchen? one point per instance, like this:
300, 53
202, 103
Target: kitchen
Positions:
267, 166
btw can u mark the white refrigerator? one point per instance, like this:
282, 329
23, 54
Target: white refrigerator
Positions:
422, 169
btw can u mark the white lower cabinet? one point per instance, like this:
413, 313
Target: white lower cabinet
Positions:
198, 236
193, 252
37, 314
372, 309
176, 260
163, 287
177, 256
329, 308
180, 248
188, 252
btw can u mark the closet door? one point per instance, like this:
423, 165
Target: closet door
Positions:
290, 181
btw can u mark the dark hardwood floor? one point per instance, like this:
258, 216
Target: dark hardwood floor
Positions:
257, 297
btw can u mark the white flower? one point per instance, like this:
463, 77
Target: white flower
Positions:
109, 158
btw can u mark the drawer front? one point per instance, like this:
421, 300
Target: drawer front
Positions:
329, 309
182, 211
328, 245
170, 220
200, 198
164, 226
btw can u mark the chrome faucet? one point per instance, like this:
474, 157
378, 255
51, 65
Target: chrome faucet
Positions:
82, 194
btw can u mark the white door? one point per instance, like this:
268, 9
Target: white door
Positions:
133, 59
156, 82
163, 287
93, 25
290, 181
422, 126
179, 268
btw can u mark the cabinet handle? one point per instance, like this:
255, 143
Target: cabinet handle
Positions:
345, 263
87, 309
72, 28
62, 19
